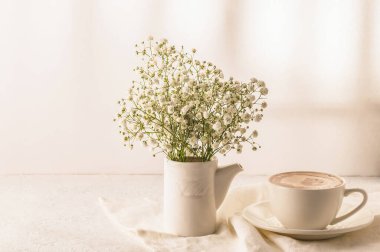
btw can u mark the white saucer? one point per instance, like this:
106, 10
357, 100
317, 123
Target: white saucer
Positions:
261, 216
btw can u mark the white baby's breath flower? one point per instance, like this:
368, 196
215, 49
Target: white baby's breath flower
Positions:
242, 130
246, 117
264, 91
227, 119
255, 133
206, 115
261, 83
170, 109
140, 136
153, 142
208, 94
184, 110
258, 117
217, 126
193, 141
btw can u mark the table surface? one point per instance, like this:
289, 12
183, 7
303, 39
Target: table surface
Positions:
62, 213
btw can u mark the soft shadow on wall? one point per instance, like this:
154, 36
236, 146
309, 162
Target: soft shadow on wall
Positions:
65, 64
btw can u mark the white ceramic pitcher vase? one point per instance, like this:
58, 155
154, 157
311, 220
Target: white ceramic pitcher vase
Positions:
193, 191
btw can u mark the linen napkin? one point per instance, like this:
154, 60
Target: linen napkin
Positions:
142, 220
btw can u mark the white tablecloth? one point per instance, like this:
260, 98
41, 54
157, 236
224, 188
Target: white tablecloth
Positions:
62, 213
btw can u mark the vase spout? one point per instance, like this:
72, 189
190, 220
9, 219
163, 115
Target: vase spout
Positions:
223, 179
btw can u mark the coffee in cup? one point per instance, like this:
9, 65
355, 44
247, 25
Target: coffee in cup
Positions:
309, 200
306, 180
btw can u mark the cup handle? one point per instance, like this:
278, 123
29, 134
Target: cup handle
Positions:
353, 211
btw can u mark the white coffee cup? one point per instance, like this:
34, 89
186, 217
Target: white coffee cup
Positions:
312, 203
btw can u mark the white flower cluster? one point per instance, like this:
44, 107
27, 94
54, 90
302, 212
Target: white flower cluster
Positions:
184, 108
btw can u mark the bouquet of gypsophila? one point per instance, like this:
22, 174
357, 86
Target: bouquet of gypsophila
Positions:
184, 108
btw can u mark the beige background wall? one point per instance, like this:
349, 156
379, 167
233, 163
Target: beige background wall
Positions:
64, 64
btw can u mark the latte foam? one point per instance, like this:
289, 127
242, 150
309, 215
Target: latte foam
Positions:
306, 180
